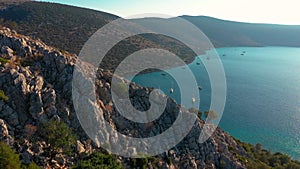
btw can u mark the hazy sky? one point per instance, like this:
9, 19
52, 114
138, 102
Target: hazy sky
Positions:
259, 11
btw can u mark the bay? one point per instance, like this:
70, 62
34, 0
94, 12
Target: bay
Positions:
263, 94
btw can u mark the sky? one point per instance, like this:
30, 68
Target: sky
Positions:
253, 11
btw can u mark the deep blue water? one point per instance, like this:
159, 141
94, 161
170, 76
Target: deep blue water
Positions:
263, 94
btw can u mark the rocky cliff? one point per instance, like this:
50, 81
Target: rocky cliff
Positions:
37, 79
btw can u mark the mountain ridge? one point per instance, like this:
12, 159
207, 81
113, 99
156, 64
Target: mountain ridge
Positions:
69, 27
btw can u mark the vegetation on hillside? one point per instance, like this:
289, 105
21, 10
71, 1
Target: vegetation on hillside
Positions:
264, 159
98, 160
8, 157
3, 96
59, 136
62, 26
68, 28
10, 160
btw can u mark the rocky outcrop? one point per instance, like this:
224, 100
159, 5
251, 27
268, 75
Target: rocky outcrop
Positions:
38, 81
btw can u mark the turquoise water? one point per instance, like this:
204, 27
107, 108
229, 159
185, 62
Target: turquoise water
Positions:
263, 94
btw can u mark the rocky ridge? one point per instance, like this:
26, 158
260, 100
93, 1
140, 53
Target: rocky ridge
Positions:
37, 79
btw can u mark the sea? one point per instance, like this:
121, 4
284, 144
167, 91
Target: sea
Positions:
263, 94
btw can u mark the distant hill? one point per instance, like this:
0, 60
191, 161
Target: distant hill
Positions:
229, 33
69, 27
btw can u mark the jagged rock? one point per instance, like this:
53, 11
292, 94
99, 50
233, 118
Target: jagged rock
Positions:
8, 52
37, 148
38, 83
80, 147
36, 105
49, 98
9, 115
42, 90
59, 160
4, 133
26, 156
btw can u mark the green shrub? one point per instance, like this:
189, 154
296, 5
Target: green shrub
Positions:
121, 89
257, 165
293, 165
8, 158
98, 160
3, 96
196, 111
32, 165
211, 115
142, 163
59, 136
3, 61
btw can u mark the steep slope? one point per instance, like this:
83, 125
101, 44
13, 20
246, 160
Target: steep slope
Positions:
62, 26
37, 79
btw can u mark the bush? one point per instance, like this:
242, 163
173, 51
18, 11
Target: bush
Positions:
59, 136
3, 96
265, 159
293, 166
121, 89
3, 61
211, 115
98, 160
8, 158
143, 162
32, 165
196, 111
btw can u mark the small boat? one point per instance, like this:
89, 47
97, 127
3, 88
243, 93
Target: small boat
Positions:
199, 87
224, 55
171, 90
163, 74
242, 54
198, 63
193, 100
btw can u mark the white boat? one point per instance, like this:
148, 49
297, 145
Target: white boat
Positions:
193, 100
171, 90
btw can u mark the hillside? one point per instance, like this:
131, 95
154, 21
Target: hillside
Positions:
229, 33
68, 28
38, 120
36, 80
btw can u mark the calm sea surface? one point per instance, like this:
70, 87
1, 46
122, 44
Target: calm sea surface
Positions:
263, 94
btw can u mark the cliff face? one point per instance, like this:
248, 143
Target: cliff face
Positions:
37, 79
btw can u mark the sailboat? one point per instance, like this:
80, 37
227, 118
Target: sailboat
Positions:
171, 90
193, 100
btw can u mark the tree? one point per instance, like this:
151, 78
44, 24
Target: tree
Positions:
98, 160
32, 165
59, 136
258, 147
211, 115
8, 158
195, 111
